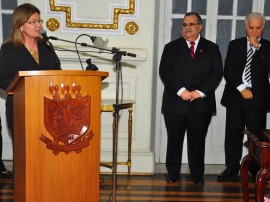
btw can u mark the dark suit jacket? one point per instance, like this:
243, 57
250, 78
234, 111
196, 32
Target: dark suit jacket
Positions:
203, 72
234, 66
14, 59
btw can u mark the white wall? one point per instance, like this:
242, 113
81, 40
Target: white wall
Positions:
137, 72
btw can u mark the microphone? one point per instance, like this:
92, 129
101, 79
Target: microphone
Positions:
43, 33
91, 66
99, 42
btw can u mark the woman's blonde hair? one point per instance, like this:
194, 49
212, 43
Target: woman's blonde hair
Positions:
20, 15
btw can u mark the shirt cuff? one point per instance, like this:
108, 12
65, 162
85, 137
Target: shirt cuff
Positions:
181, 91
201, 93
241, 87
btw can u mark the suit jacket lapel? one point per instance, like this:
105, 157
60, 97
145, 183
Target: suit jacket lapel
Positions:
183, 47
201, 48
242, 52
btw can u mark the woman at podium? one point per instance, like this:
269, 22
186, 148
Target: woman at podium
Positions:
25, 50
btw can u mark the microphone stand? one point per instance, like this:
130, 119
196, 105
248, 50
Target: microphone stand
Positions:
117, 56
113, 50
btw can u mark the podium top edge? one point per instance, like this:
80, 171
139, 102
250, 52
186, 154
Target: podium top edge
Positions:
22, 74
62, 73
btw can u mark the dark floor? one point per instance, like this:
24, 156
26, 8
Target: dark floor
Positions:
155, 188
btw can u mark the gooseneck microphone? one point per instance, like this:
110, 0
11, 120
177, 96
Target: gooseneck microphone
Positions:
43, 33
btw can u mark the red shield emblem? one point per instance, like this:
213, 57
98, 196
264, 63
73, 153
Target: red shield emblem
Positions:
67, 120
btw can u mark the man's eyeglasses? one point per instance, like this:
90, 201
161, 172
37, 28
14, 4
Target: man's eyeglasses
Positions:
35, 22
189, 24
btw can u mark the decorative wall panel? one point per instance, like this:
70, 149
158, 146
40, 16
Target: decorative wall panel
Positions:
66, 14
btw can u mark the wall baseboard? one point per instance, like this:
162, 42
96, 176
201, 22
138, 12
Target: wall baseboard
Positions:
209, 168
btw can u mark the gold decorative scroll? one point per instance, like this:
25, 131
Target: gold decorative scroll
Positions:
131, 28
52, 24
114, 25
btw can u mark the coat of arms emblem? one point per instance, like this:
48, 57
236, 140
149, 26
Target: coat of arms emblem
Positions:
67, 120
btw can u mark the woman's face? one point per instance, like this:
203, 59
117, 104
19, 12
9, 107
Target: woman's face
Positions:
31, 28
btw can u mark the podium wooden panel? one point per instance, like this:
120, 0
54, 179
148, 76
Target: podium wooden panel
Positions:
39, 174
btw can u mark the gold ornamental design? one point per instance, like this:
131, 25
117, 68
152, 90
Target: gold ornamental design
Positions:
114, 25
52, 24
131, 28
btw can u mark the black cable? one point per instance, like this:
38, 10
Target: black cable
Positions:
110, 197
101, 180
122, 85
77, 48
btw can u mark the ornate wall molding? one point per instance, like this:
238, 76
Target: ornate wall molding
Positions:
131, 28
69, 22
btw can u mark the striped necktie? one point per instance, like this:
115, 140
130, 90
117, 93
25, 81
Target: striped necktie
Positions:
247, 70
192, 49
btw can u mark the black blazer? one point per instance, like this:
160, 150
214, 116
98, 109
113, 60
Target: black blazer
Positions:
203, 72
14, 59
234, 66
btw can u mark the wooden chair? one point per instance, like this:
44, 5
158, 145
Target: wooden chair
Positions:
258, 151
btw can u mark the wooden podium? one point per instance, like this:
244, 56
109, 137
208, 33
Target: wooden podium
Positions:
67, 172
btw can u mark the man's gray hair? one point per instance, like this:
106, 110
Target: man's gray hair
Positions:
255, 15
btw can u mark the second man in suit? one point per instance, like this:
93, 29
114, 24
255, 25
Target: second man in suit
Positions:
247, 91
190, 69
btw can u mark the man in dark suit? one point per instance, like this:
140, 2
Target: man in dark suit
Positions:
190, 74
247, 91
